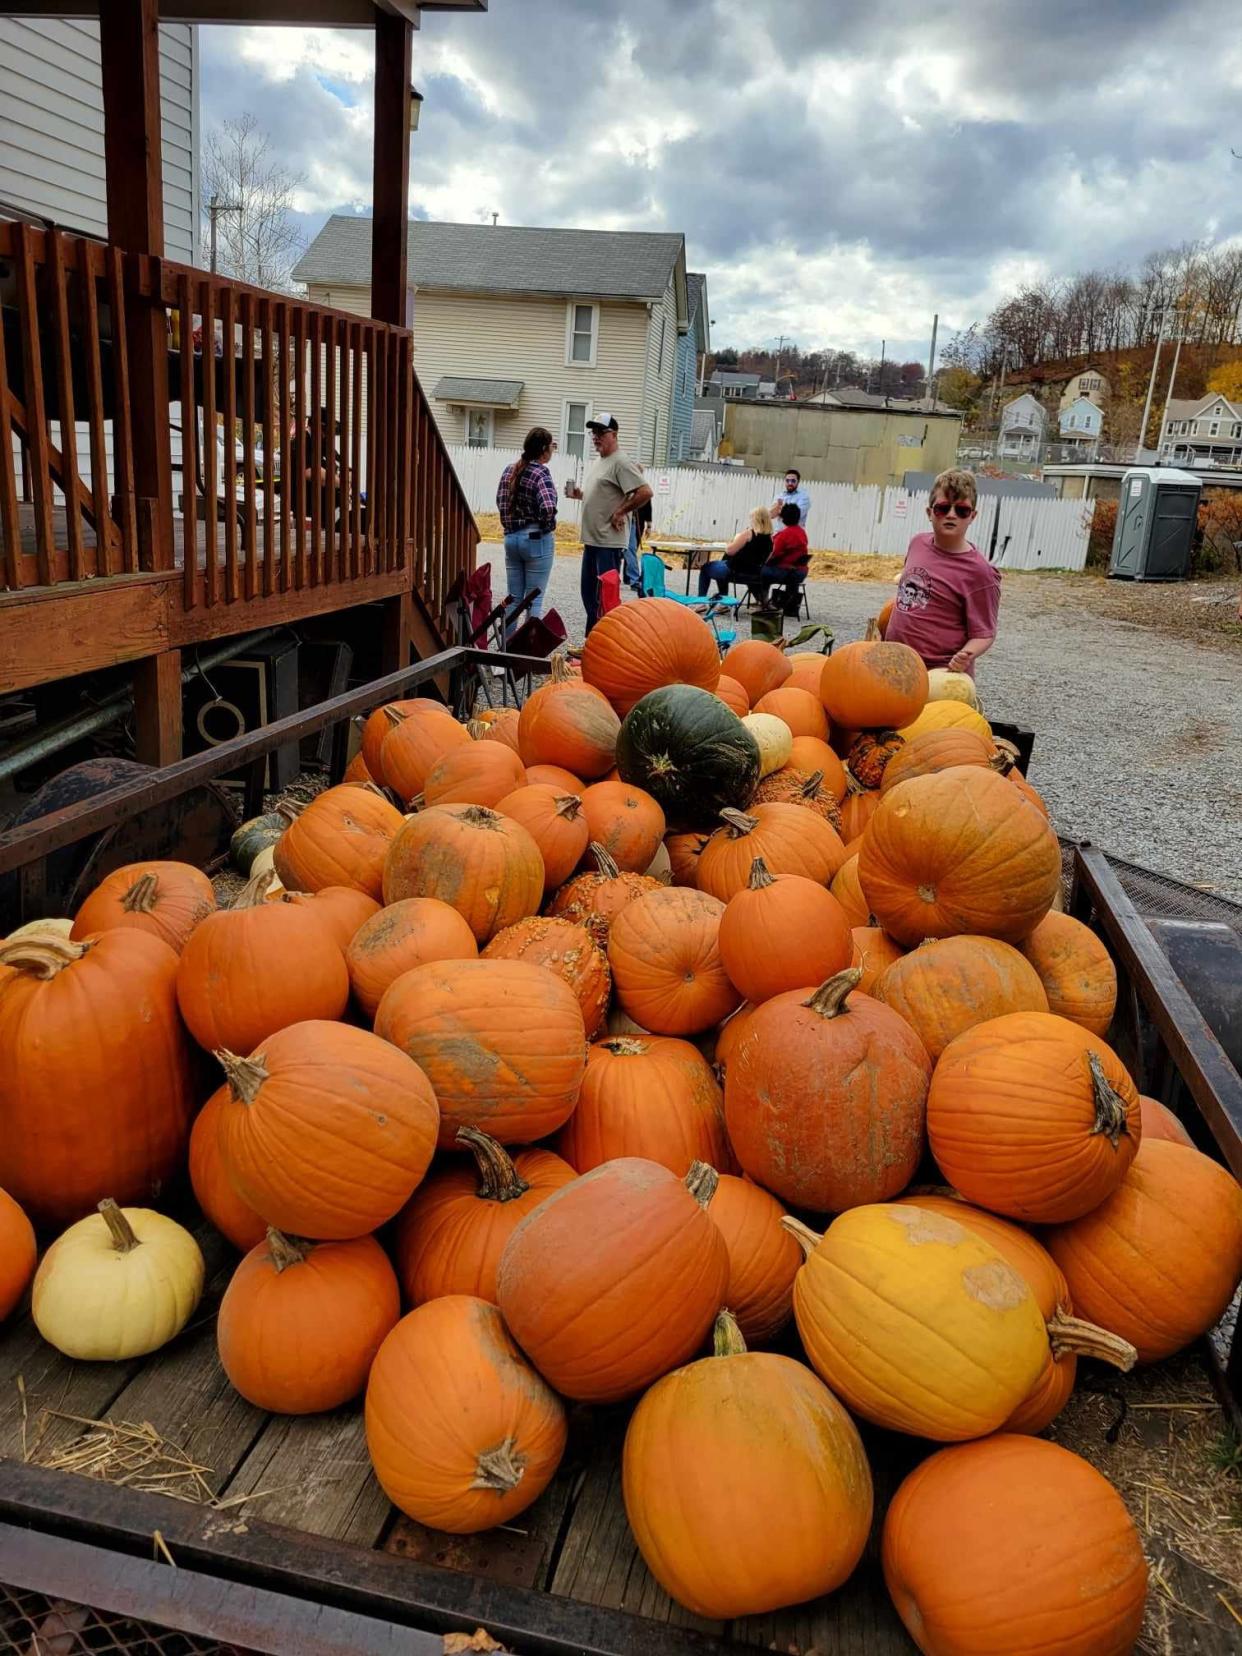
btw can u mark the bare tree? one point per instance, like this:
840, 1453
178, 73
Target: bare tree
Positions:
259, 241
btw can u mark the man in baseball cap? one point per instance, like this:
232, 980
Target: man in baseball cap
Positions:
611, 491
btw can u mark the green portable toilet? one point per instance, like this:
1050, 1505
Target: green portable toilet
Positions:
1155, 524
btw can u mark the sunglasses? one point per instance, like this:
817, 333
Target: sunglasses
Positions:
959, 508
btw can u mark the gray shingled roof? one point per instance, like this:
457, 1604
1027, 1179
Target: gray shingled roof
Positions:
502, 258
490, 393
725, 376
694, 292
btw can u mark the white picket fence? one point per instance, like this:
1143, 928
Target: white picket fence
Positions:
1019, 531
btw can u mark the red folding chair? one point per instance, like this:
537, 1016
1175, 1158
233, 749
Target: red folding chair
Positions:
609, 591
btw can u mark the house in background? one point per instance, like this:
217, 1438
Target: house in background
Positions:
516, 327
1203, 429
1080, 424
1089, 383
692, 345
1022, 428
706, 429
725, 383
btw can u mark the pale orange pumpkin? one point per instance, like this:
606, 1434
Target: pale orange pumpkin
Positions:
763, 1258
948, 985
781, 932
502, 727
789, 839
799, 709
1076, 970
481, 863
650, 1096
557, 823
806, 668
570, 723
626, 821
166, 899
664, 950
1159, 1122
566, 948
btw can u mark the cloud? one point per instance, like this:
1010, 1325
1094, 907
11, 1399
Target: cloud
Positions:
839, 171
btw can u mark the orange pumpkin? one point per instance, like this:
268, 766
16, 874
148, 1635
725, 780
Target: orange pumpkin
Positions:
733, 695
615, 1279
1159, 1122
357, 770
780, 932
789, 839
849, 893
873, 686
166, 899
386, 718
570, 723
934, 751
18, 1253
327, 1129
406, 934
857, 809
413, 747
1016, 780
809, 754
557, 823
602, 895
1014, 1544
825, 1097
806, 668
664, 950
569, 950
874, 953
502, 727
300, 1322
481, 863
947, 986
869, 755
1076, 970
763, 1257
342, 909
799, 709
649, 1096
453, 1229
480, 774
341, 838
794, 787
555, 776
683, 856
213, 1189
1033, 1117
1158, 1261
626, 821
956, 852
637, 648
462, 1433
501, 1041
729, 1037
757, 666
884, 617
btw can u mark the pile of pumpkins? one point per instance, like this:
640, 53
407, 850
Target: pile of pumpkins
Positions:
548, 1050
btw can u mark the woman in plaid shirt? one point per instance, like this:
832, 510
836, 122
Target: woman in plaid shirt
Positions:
526, 501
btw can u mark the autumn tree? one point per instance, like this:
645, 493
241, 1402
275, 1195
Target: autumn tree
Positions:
259, 241
1226, 381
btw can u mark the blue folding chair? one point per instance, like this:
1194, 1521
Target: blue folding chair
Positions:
654, 569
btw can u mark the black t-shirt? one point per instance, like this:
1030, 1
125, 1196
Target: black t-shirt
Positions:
750, 559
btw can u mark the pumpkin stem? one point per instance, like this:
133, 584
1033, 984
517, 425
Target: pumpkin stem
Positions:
286, 1250
1110, 1107
43, 954
810, 789
255, 891
140, 898
760, 879
624, 1046
807, 1239
290, 809
123, 1238
1073, 1335
727, 1338
852, 784
560, 673
244, 1075
395, 716
829, 1000
476, 730
701, 1182
604, 862
1001, 762
738, 822
568, 806
873, 633
499, 1180
480, 816
499, 1468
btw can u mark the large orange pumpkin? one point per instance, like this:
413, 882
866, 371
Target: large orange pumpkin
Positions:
806, 668
95, 1089
484, 865
1014, 1544
166, 899
480, 774
18, 1253
453, 1229
342, 909
729, 1038
874, 953
757, 666
626, 821
501, 1041
945, 987
799, 709
1159, 1122
780, 932
1076, 970
341, 838
795, 787
462, 1433
615, 1279
745, 1482
566, 948
763, 1258
1033, 1117
300, 1322
789, 839
1158, 1261
327, 1129
873, 686
501, 726
603, 894
213, 1189
733, 695
934, 751
809, 754
407, 933
412, 748
386, 718
639, 647
825, 1097
568, 722
664, 950
650, 1096
556, 822
957, 852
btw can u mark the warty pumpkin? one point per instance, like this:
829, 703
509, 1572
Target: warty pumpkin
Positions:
802, 712
789, 839
917, 1324
947, 715
616, 1278
825, 1097
568, 722
300, 1322
651, 1096
118, 1284
664, 950
568, 949
848, 892
1031, 1116
948, 985
342, 909
1158, 1260
166, 899
213, 1189
626, 821
601, 896
408, 933
462, 1432
733, 695
18, 1253
1014, 1544
557, 823
873, 686
637, 648
257, 967
1159, 1122
501, 1041
780, 932
1076, 970
412, 748
809, 754
745, 1482
386, 718
935, 751
757, 666
453, 1230
869, 755
95, 1086
956, 852
794, 787
341, 838
763, 1258
874, 953
481, 863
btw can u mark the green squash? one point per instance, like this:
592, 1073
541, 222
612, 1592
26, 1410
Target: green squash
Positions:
260, 833
690, 751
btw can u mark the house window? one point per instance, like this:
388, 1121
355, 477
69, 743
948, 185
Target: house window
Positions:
581, 335
576, 416
660, 357
479, 425
1214, 428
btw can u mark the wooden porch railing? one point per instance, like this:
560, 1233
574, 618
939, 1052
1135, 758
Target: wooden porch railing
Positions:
304, 451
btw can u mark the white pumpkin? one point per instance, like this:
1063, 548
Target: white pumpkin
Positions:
775, 740
943, 685
118, 1284
41, 928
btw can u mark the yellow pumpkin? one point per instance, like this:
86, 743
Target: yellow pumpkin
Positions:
916, 1323
119, 1283
945, 685
775, 741
948, 715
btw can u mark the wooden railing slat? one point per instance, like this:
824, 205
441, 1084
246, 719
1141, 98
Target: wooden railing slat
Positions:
210, 481
64, 388
189, 447
345, 494
355, 494
37, 442
304, 460
287, 481
105, 529
327, 551
269, 444
122, 433
10, 523
250, 519
228, 491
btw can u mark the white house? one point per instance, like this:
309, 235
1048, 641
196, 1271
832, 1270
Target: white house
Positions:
1081, 423
1089, 383
1022, 428
1203, 428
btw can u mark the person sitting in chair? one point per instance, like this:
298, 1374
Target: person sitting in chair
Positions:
787, 566
744, 556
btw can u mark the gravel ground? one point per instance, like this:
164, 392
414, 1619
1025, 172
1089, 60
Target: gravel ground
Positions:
1138, 734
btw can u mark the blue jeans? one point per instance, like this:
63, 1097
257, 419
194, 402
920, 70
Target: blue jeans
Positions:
528, 563
718, 570
791, 579
632, 571
596, 561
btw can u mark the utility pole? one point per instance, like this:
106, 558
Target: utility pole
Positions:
214, 208
1172, 380
1151, 383
931, 363
776, 372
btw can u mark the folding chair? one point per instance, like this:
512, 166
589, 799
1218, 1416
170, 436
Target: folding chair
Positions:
800, 603
653, 572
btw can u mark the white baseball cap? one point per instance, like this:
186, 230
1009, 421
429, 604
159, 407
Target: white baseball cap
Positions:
603, 422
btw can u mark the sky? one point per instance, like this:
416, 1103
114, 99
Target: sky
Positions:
841, 169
